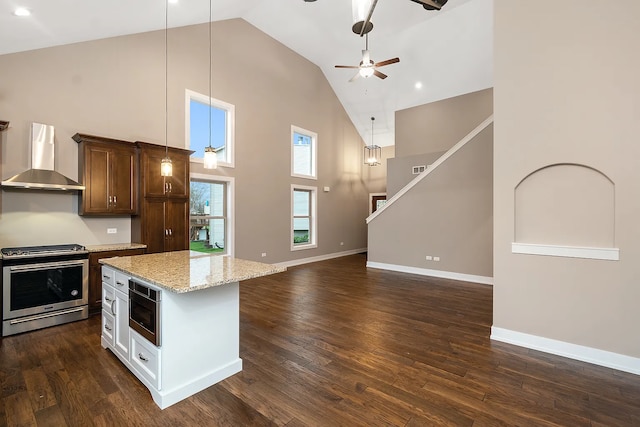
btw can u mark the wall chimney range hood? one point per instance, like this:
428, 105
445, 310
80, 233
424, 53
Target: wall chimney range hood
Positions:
42, 175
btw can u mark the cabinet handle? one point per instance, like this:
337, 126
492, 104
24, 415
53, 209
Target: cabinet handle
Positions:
106, 276
115, 200
166, 187
108, 328
107, 299
171, 232
119, 283
170, 188
112, 309
110, 199
141, 357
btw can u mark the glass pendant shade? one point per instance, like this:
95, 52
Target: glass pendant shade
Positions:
210, 158
366, 72
372, 155
166, 168
361, 10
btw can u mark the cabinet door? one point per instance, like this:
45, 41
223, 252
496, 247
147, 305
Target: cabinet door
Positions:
123, 194
95, 197
121, 337
179, 180
177, 222
154, 231
108, 327
153, 183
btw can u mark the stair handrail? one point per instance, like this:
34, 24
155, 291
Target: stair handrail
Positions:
432, 167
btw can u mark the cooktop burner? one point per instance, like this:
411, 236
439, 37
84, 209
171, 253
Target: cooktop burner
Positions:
37, 251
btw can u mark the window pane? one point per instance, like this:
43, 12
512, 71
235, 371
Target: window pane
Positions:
301, 230
302, 154
301, 203
199, 129
207, 234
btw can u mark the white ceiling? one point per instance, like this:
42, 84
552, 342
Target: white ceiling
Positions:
449, 51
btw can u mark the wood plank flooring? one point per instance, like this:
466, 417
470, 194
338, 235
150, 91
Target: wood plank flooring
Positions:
327, 344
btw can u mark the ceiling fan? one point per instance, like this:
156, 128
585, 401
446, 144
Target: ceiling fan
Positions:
367, 67
363, 10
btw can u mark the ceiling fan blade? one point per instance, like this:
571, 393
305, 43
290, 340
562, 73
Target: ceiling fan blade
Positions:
431, 4
347, 66
357, 76
379, 74
387, 62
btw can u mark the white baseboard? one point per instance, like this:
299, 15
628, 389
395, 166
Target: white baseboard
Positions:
609, 254
325, 257
572, 351
433, 273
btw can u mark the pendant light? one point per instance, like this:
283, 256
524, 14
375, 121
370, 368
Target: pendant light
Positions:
166, 168
210, 156
372, 153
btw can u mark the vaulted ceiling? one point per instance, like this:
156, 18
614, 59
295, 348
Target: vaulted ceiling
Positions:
450, 52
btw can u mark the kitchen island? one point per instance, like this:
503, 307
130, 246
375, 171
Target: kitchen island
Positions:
188, 339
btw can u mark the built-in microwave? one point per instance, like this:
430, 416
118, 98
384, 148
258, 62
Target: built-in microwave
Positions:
144, 311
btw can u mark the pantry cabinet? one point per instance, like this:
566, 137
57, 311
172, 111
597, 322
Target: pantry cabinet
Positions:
163, 221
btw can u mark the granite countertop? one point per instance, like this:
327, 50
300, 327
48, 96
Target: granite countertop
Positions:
187, 271
115, 247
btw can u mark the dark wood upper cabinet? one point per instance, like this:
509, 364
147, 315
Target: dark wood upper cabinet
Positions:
156, 185
108, 168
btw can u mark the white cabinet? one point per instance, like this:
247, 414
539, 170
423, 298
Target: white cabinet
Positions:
115, 312
145, 359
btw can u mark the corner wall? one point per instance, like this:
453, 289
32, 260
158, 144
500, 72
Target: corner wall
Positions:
568, 95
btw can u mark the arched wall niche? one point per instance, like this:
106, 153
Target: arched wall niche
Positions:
565, 206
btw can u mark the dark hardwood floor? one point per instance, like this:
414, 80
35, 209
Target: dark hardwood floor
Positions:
324, 344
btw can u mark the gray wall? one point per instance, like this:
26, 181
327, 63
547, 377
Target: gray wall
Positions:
447, 214
439, 125
115, 88
400, 169
568, 94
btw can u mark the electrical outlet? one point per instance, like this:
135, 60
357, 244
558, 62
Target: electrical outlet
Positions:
436, 258
264, 254
112, 230
428, 257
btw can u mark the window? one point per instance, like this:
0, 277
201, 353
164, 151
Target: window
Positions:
210, 216
303, 218
197, 127
303, 153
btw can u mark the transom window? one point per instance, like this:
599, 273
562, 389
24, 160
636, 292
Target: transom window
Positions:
303, 153
303, 217
197, 127
210, 228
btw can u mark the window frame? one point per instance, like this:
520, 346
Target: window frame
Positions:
230, 126
230, 207
314, 151
313, 220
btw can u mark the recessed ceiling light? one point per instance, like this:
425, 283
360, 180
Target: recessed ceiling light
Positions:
418, 85
21, 11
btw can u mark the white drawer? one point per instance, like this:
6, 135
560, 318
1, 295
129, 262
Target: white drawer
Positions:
108, 327
108, 298
121, 282
108, 275
145, 359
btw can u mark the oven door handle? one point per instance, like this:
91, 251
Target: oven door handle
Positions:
44, 265
44, 316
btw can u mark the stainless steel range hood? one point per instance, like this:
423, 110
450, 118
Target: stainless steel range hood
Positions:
42, 175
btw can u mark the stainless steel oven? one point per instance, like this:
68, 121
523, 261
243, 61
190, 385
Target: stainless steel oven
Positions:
144, 311
43, 286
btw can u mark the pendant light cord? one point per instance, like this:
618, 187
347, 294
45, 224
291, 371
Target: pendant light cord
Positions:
166, 79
